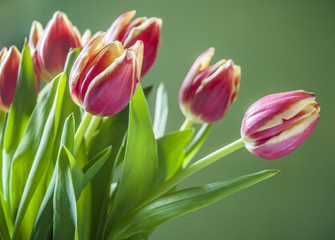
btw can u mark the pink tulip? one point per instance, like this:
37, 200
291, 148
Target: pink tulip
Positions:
104, 78
144, 29
277, 124
52, 47
9, 67
208, 92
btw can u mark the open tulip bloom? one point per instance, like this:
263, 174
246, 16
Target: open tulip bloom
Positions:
62, 144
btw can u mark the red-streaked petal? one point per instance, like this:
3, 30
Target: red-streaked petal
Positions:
58, 37
270, 110
118, 25
287, 141
111, 90
149, 33
9, 68
201, 63
212, 99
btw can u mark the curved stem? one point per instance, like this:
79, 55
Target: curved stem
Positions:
92, 127
81, 132
191, 169
186, 125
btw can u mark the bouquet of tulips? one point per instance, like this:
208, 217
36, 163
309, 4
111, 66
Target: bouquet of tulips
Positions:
81, 158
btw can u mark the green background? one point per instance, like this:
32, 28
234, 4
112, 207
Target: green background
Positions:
280, 46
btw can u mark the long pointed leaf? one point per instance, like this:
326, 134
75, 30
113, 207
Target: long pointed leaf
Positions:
42, 158
139, 173
161, 111
178, 203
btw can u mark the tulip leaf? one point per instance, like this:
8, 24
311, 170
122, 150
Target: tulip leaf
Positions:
139, 172
95, 165
40, 165
23, 103
196, 143
43, 223
171, 153
181, 202
27, 149
64, 200
2, 129
4, 230
161, 111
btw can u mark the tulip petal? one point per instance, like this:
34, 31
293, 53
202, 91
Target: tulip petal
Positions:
112, 90
9, 68
118, 25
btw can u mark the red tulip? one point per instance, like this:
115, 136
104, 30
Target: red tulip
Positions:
58, 37
208, 92
277, 124
9, 67
128, 32
104, 78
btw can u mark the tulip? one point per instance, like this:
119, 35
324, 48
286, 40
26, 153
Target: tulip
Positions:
208, 92
36, 31
104, 78
277, 124
58, 37
128, 32
9, 67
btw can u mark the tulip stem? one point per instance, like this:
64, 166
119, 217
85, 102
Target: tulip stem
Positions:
92, 127
81, 132
186, 125
191, 169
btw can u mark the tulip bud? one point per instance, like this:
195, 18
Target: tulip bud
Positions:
104, 78
277, 124
144, 29
58, 38
208, 92
9, 67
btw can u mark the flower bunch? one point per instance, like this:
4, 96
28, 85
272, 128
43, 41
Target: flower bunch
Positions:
62, 144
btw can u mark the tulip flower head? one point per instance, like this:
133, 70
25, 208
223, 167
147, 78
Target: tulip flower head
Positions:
104, 78
9, 67
144, 29
208, 92
58, 37
277, 124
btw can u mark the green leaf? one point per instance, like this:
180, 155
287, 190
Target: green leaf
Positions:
92, 168
139, 173
70, 59
110, 133
171, 153
23, 103
43, 223
181, 202
40, 164
27, 149
161, 111
2, 129
64, 201
196, 143
4, 219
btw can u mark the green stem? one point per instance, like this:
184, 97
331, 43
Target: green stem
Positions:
92, 127
191, 169
81, 132
186, 125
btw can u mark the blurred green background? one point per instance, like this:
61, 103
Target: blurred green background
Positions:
280, 45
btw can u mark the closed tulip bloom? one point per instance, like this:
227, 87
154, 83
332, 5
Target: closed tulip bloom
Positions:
58, 37
9, 67
104, 78
128, 32
208, 92
277, 124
